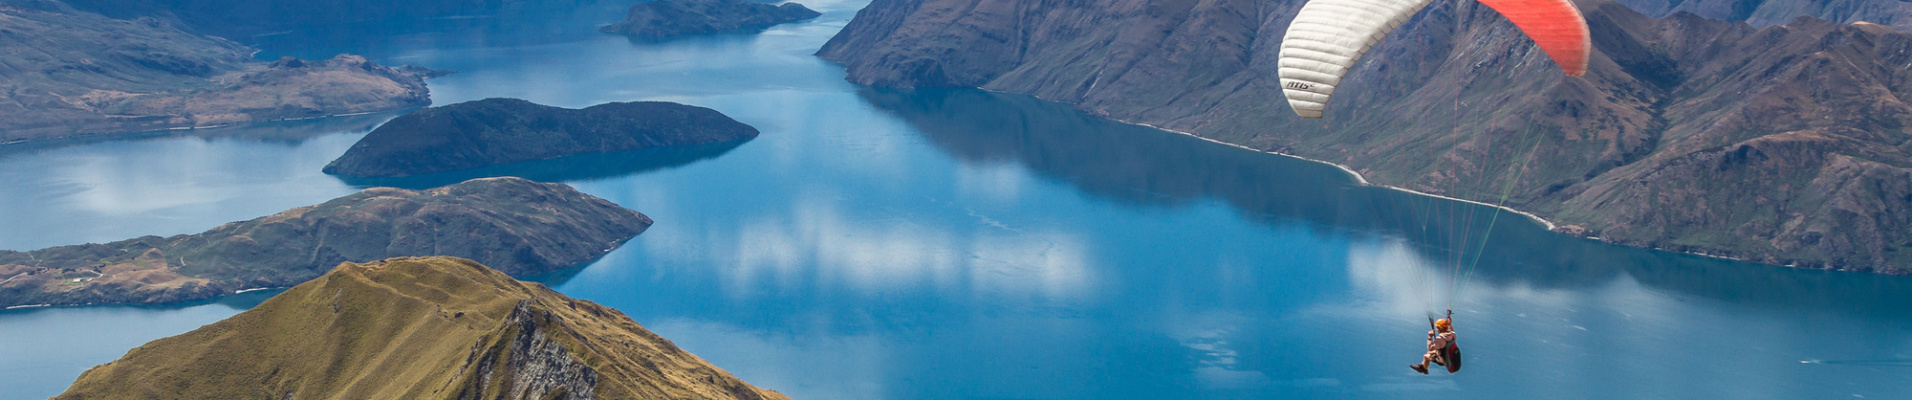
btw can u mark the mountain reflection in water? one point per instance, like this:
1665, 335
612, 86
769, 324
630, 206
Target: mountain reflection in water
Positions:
1143, 166
563, 169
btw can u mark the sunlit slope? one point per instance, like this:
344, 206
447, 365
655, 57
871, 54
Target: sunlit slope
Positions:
415, 328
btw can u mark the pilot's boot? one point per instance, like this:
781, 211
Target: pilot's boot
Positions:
1421, 368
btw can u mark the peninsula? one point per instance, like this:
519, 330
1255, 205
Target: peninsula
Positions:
416, 328
502, 131
518, 226
665, 19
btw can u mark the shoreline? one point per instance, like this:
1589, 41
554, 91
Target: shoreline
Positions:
171, 130
1549, 225
1882, 270
257, 289
1358, 178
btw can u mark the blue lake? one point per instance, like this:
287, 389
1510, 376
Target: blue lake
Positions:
959, 244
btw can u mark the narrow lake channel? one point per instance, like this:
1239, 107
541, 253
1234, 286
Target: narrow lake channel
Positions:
960, 244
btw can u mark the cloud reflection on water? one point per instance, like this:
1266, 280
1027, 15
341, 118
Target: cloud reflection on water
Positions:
807, 365
108, 191
819, 243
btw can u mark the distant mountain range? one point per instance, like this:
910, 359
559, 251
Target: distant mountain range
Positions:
72, 73
243, 19
416, 328
1785, 144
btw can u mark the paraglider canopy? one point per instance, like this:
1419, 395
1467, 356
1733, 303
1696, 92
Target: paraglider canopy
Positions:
1329, 36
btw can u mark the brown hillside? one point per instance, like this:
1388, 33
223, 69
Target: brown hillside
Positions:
415, 328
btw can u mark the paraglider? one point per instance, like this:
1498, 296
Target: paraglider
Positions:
1443, 348
1329, 36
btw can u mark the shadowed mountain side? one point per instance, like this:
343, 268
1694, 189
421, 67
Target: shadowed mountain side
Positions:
1149, 167
416, 328
665, 19
519, 226
1784, 145
564, 169
72, 73
501, 131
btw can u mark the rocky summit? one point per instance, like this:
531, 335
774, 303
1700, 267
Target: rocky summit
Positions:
518, 226
73, 73
416, 328
664, 19
1786, 144
502, 131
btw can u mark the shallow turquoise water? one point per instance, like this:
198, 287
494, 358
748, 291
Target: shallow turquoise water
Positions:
878, 244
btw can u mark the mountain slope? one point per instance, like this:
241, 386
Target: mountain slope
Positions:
1458, 102
520, 227
415, 328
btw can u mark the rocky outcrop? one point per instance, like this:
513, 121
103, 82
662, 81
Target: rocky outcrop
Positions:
502, 131
664, 19
73, 73
1782, 145
1894, 13
416, 328
518, 226
526, 362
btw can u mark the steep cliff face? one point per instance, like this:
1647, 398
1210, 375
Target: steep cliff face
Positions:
527, 362
73, 73
1458, 102
1895, 13
416, 328
518, 226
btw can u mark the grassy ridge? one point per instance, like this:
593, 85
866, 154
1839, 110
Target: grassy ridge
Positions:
415, 328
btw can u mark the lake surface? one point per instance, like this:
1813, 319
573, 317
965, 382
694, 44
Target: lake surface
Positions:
958, 244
